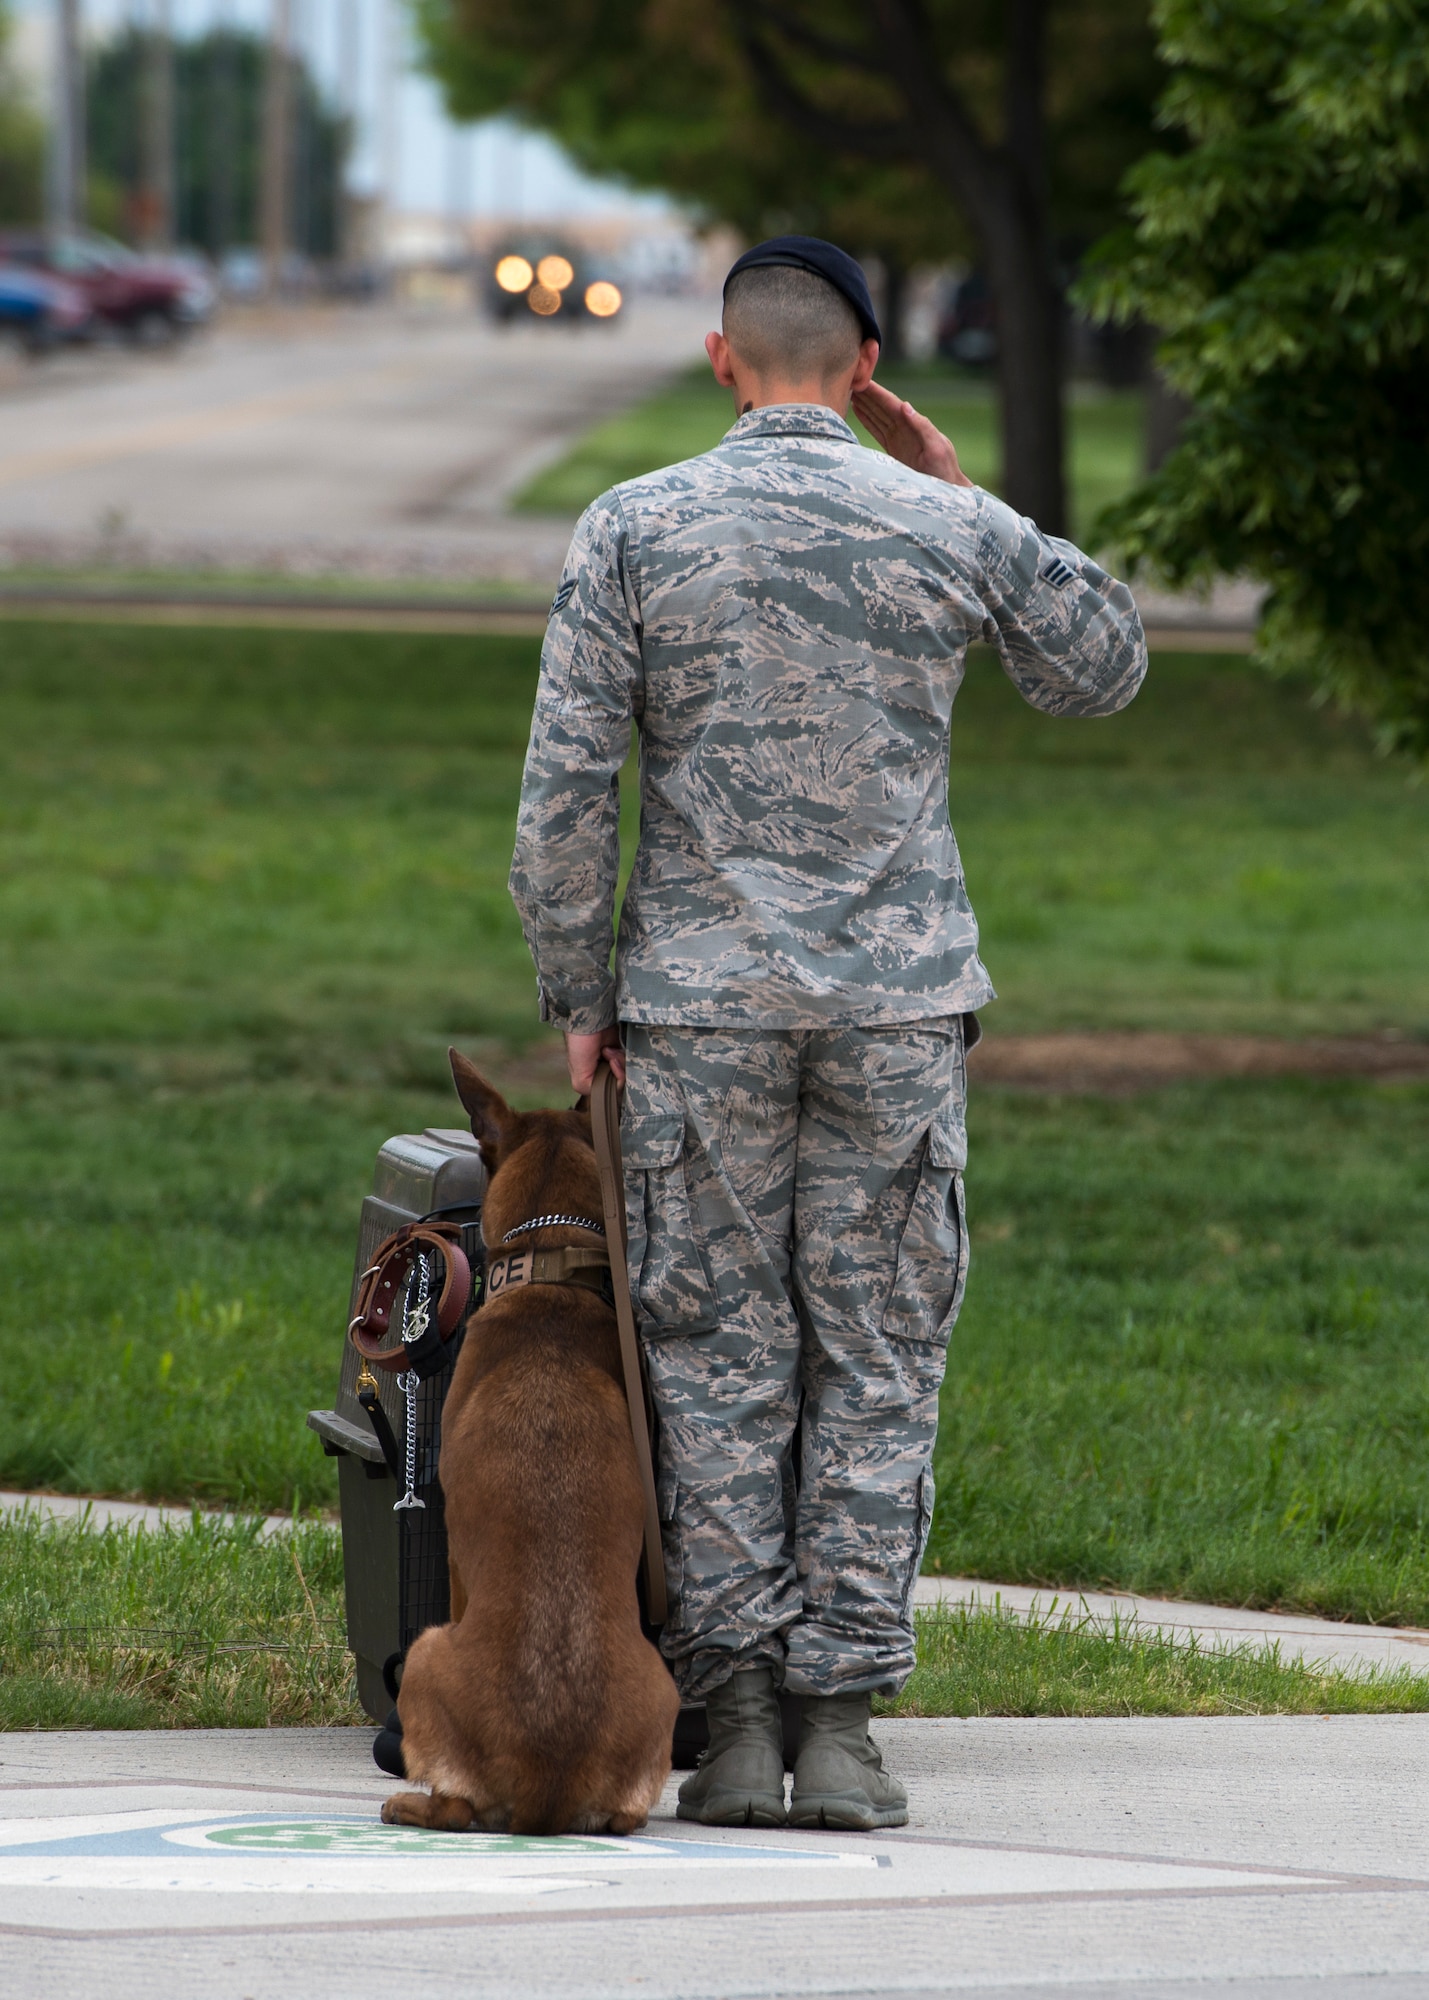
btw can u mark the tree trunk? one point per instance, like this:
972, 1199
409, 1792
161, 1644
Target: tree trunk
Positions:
1019, 255
894, 314
1029, 375
1002, 191
1166, 413
1004, 196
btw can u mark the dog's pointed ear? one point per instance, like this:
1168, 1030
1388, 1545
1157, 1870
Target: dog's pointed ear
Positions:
491, 1116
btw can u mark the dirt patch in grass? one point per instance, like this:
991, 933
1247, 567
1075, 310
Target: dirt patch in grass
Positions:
1115, 1062
1109, 1063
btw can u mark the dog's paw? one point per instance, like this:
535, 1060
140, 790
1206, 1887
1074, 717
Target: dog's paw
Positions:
598, 1821
449, 1813
407, 1809
443, 1812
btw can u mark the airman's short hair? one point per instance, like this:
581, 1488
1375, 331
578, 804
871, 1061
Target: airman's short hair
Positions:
789, 323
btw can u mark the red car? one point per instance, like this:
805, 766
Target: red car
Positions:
148, 298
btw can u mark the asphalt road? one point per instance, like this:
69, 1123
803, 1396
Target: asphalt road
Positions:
375, 443
1250, 1859
379, 441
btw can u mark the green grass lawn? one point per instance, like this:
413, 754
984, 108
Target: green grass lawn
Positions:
1221, 856
1192, 1359
988, 1663
693, 413
200, 1627
209, 1627
253, 884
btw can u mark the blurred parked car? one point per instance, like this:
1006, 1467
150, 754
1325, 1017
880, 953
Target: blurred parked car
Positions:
967, 328
149, 299
242, 272
40, 311
550, 280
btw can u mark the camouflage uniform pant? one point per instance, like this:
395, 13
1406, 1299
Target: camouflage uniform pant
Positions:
798, 1254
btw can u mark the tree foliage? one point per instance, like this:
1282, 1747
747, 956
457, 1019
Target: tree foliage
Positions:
1285, 255
218, 120
22, 141
660, 93
661, 96
913, 129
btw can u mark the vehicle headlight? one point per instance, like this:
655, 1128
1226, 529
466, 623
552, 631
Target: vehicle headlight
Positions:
555, 273
514, 274
603, 299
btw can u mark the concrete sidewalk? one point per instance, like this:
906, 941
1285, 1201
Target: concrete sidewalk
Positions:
102, 1514
361, 442
1348, 1649
1281, 1857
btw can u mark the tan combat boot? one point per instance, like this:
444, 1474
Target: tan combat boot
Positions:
839, 1779
740, 1780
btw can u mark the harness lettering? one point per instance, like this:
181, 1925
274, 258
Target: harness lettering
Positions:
588, 1268
506, 1271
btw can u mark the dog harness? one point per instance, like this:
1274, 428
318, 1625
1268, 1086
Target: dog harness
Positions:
568, 1266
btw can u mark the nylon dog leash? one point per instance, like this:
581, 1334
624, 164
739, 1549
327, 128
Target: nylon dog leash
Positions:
605, 1129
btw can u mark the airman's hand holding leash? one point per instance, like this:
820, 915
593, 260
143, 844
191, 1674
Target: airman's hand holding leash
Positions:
585, 1052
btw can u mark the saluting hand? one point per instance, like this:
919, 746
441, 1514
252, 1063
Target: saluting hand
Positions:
907, 436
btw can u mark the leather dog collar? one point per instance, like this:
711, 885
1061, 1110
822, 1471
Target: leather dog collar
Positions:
383, 1282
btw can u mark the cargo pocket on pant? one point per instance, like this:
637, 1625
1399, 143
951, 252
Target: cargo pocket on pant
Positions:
922, 1527
667, 1270
932, 1265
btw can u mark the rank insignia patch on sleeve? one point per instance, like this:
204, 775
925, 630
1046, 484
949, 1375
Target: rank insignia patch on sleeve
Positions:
564, 595
1057, 573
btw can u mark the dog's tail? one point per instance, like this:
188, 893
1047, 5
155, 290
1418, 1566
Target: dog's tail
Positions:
543, 1803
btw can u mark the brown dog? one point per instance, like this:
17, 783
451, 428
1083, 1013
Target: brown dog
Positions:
542, 1707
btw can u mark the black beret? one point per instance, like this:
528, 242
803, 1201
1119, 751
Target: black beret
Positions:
825, 260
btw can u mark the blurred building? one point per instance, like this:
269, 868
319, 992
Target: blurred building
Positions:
417, 193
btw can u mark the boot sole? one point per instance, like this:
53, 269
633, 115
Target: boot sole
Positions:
845, 1815
735, 1809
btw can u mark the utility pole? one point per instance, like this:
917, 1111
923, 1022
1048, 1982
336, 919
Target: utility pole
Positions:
349, 73
222, 131
277, 94
156, 216
390, 111
300, 179
65, 204
459, 187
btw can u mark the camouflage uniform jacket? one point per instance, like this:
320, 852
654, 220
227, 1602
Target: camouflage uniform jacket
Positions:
786, 619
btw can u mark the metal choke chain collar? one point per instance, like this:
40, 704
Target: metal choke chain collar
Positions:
414, 1325
552, 1221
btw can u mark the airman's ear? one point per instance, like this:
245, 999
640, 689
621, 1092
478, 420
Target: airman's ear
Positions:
491, 1116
